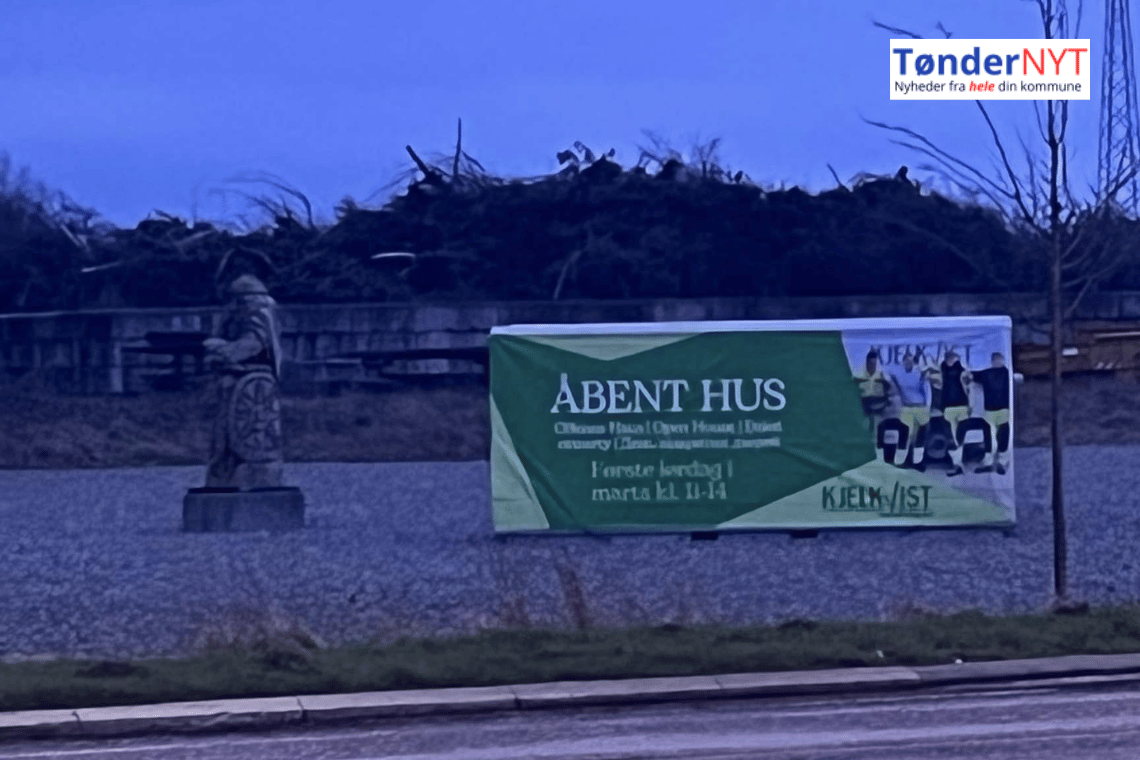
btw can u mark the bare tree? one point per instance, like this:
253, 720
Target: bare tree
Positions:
1071, 235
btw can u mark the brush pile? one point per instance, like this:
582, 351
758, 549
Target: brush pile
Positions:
666, 227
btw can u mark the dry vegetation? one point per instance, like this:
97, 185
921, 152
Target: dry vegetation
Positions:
273, 657
42, 429
672, 226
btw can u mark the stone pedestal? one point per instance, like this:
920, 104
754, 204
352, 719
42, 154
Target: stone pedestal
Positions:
213, 510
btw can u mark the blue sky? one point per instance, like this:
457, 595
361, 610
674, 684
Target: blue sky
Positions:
131, 106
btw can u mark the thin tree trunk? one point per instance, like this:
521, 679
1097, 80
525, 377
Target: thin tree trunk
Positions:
1056, 292
1060, 543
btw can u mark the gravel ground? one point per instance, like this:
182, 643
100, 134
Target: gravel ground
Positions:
96, 565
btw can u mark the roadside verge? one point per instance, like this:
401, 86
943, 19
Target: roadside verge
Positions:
275, 712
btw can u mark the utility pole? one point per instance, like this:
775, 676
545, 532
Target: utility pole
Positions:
1119, 151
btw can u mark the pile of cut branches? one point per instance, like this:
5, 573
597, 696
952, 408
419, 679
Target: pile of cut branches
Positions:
669, 226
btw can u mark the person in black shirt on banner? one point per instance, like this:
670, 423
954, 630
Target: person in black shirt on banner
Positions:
995, 383
955, 403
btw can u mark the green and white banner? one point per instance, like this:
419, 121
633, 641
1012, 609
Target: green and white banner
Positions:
709, 426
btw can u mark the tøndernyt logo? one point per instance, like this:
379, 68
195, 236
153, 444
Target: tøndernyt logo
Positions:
990, 69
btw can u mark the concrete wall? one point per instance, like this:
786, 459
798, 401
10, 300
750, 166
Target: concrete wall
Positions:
83, 351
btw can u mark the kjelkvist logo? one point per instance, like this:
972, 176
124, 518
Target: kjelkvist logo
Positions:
990, 69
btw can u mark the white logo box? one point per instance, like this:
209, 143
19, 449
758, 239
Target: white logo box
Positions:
953, 69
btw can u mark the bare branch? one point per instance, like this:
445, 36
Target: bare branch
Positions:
1082, 262
431, 176
1123, 179
1099, 258
1045, 16
458, 151
959, 179
272, 181
1096, 276
1040, 123
188, 242
1064, 121
836, 176
474, 163
1033, 179
1017, 196
942, 155
571, 260
896, 30
1075, 303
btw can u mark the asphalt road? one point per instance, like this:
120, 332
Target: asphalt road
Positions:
1042, 724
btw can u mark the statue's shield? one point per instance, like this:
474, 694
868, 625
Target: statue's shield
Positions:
255, 418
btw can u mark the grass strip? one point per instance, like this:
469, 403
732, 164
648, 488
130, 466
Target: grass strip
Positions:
288, 666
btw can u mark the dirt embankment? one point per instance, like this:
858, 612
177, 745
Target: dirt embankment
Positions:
42, 429
39, 429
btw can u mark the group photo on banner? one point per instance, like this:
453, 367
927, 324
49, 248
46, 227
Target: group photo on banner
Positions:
710, 426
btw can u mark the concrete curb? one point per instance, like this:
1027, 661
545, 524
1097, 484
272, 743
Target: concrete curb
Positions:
235, 714
1048, 667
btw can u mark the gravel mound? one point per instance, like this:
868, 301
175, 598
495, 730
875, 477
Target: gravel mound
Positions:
96, 566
